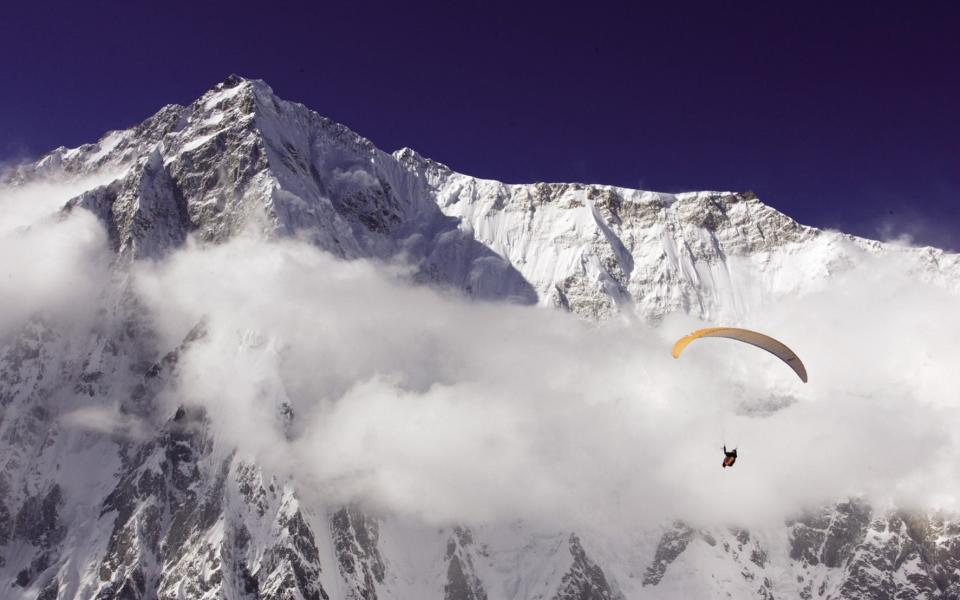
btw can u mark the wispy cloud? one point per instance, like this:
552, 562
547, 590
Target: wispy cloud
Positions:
51, 265
107, 420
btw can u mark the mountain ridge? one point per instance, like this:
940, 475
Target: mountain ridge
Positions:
239, 138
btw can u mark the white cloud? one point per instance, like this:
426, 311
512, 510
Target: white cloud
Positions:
106, 420
423, 402
351, 179
28, 204
51, 265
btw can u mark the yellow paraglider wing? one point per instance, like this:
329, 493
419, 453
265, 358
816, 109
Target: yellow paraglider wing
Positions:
778, 349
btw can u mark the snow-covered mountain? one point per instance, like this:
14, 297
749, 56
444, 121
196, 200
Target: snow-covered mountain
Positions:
172, 514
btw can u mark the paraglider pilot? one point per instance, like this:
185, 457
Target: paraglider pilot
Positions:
729, 457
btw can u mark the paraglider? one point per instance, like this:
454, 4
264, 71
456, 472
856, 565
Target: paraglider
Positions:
765, 342
754, 338
729, 457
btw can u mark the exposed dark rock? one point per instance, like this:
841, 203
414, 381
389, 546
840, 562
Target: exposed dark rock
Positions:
355, 536
672, 544
585, 579
38, 520
51, 591
462, 581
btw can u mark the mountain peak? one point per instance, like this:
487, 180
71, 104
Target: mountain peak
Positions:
234, 81
241, 158
235, 93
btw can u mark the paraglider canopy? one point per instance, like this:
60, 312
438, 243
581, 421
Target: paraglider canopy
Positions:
777, 348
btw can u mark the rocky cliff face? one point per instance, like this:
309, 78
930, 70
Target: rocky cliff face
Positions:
169, 512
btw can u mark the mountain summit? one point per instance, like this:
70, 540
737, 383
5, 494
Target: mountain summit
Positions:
241, 158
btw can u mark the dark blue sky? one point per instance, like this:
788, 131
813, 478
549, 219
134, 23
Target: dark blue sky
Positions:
841, 114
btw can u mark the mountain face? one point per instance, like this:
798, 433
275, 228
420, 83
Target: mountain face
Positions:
170, 513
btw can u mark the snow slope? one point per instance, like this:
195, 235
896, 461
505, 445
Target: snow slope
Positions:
168, 512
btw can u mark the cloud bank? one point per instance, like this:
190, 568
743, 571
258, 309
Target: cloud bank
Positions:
366, 388
422, 402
